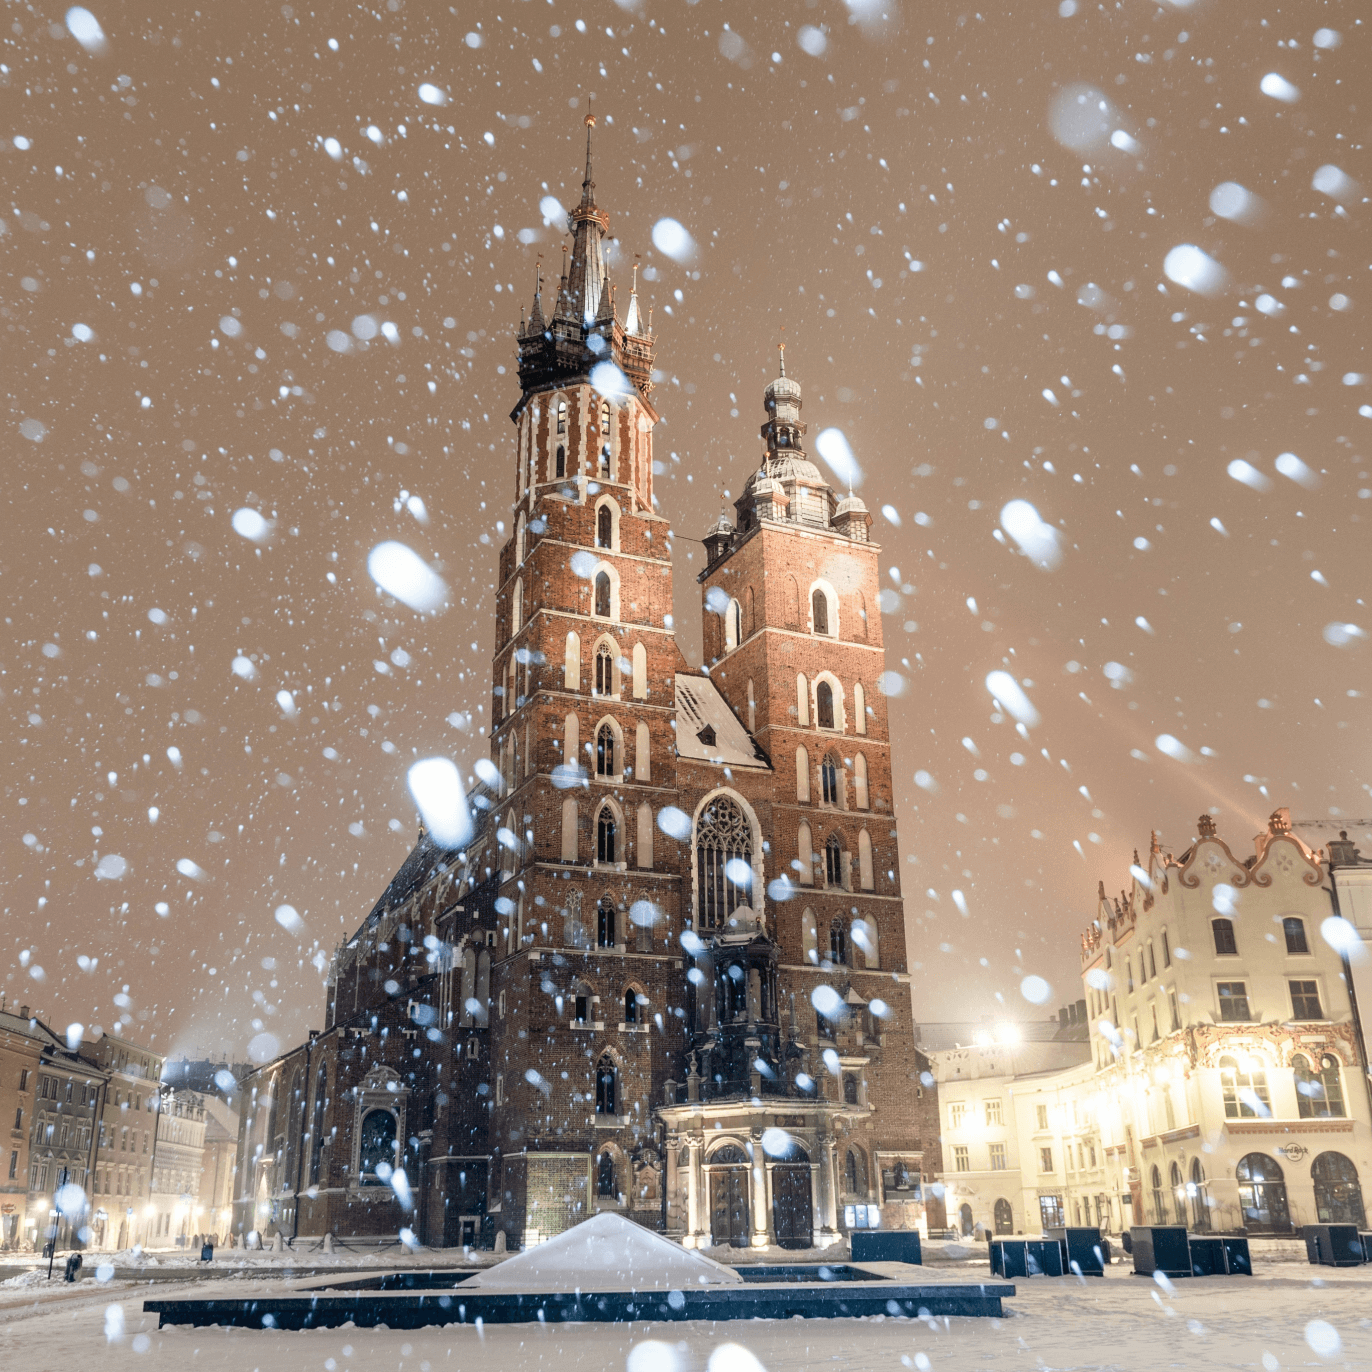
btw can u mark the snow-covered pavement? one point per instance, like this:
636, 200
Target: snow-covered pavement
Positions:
1291, 1316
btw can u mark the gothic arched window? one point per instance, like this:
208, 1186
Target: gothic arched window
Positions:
605, 752
561, 459
828, 776
604, 527
605, 439
605, 1085
819, 607
833, 861
724, 861
602, 595
377, 1146
605, 1176
631, 1006
605, 924
562, 416
321, 1100
605, 847
838, 944
604, 671
824, 705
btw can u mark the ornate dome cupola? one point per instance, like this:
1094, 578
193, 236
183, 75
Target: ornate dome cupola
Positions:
788, 484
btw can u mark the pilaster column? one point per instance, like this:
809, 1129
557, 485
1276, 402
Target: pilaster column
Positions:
762, 1214
826, 1191
697, 1199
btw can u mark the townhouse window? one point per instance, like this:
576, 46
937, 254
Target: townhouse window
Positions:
1294, 929
1045, 1159
961, 1160
1244, 1087
993, 1112
1305, 1000
956, 1112
1319, 1093
1041, 1113
1224, 936
1233, 997
998, 1157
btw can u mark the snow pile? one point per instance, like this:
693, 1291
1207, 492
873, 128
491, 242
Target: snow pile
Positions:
607, 1253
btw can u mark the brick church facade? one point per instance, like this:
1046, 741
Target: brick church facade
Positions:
666, 975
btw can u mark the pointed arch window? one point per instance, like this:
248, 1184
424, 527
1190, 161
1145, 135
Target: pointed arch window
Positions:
561, 467
828, 777
605, 439
724, 854
606, 1086
602, 595
631, 1006
861, 793
604, 671
606, 836
562, 417
605, 752
604, 527
824, 705
819, 608
605, 1176
838, 944
605, 924
833, 861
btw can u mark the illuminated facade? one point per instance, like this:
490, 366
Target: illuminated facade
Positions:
1227, 1086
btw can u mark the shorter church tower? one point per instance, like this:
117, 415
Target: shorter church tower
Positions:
805, 1113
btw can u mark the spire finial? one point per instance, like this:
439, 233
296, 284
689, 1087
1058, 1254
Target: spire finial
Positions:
587, 186
781, 348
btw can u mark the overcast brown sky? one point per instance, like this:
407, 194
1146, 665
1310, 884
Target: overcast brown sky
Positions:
962, 220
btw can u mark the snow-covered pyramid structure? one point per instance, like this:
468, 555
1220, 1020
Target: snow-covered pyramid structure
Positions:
607, 1253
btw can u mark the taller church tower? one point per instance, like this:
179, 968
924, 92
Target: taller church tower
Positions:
584, 1032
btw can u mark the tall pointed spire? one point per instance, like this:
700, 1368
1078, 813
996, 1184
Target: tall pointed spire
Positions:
587, 184
579, 323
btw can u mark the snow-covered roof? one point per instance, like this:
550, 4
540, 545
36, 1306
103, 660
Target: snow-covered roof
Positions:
707, 730
605, 1253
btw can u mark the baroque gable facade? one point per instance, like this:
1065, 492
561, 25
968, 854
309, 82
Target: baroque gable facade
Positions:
666, 974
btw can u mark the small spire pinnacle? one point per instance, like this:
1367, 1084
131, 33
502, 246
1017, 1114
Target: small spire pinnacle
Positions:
781, 348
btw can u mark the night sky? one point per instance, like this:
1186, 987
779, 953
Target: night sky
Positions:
258, 271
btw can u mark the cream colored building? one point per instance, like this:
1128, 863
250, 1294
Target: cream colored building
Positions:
127, 1136
214, 1203
178, 1170
1227, 1086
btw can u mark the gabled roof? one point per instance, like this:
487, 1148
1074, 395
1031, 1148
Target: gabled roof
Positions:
707, 730
425, 858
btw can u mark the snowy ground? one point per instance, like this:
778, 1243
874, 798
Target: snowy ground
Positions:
1287, 1316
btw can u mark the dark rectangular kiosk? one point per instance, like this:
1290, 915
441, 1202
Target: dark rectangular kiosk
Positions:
1026, 1258
892, 1245
1334, 1245
1160, 1248
1083, 1249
